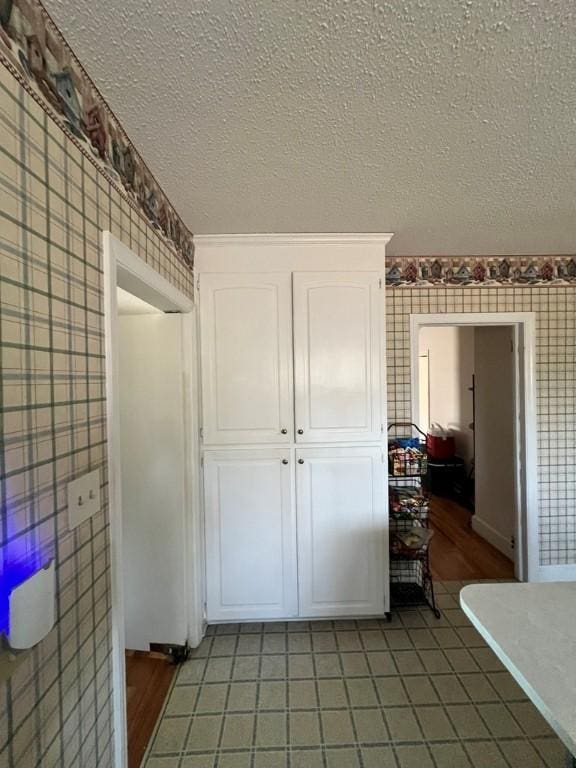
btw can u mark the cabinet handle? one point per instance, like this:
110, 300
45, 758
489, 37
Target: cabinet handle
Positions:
300, 461
300, 431
284, 431
284, 461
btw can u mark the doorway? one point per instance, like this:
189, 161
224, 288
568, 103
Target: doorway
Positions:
153, 465
472, 380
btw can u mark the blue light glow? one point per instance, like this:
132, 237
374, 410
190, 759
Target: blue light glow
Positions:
15, 573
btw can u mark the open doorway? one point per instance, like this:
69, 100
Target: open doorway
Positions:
471, 381
154, 490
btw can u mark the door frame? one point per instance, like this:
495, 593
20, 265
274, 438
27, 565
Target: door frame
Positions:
124, 269
525, 425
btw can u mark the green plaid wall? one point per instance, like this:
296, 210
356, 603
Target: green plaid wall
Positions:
55, 712
555, 309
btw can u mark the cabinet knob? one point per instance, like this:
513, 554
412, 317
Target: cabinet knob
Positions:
284, 461
300, 431
300, 461
284, 431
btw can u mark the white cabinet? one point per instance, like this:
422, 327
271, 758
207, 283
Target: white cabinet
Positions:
246, 322
337, 320
342, 531
250, 534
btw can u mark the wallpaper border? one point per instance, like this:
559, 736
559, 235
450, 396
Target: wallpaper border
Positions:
488, 271
36, 53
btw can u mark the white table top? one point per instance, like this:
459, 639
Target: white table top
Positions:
532, 630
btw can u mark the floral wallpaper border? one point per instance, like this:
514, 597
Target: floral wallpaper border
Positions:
35, 52
479, 271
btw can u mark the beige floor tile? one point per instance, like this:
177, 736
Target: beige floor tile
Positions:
272, 694
204, 733
407, 663
531, 721
354, 664
337, 727
521, 754
485, 754
171, 735
461, 660
305, 729
246, 667
478, 687
348, 641
323, 641
218, 670
434, 662
301, 758
400, 639
378, 757
165, 762
342, 758
370, 726
414, 756
235, 760
446, 637
224, 646
300, 665
486, 660
302, 694
435, 724
449, 689
383, 662
422, 638
238, 731
420, 690
327, 665
273, 667
402, 724
391, 691
242, 696
507, 688
467, 721
552, 750
270, 760
373, 639
299, 642
199, 761
456, 618
182, 700
450, 755
274, 643
271, 730
249, 645
332, 694
212, 698
361, 692
499, 721
191, 672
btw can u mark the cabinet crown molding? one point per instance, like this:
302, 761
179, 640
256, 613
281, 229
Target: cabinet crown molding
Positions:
302, 238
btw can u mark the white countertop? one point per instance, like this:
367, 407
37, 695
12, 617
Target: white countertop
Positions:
532, 630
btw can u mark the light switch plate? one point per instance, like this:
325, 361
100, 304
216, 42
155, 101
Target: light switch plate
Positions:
83, 498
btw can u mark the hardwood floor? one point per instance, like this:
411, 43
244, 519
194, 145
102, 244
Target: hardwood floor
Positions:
459, 553
148, 679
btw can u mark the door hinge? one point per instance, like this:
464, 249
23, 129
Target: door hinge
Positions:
198, 283
201, 433
379, 282
512, 542
201, 461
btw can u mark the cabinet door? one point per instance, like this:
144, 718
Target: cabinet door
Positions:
342, 531
246, 329
250, 534
337, 320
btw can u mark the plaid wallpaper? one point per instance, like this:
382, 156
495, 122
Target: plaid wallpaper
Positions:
555, 309
55, 711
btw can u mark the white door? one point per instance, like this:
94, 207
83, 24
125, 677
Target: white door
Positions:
152, 444
250, 534
337, 319
342, 531
246, 329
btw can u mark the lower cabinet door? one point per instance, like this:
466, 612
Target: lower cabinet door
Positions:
342, 531
250, 534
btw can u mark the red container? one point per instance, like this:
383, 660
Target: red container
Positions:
440, 447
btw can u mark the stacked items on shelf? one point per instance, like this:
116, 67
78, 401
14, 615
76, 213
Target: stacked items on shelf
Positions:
410, 576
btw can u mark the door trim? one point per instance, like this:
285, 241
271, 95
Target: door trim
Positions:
525, 454
125, 269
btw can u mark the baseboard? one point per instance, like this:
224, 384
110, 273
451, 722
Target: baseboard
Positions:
492, 536
556, 573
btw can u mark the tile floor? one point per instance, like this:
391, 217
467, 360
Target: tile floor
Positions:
414, 693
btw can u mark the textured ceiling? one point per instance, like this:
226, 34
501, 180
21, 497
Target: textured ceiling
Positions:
449, 122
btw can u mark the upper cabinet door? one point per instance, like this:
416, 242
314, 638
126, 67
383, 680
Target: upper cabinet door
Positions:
246, 329
337, 321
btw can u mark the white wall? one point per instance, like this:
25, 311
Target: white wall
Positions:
494, 517
451, 365
153, 477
